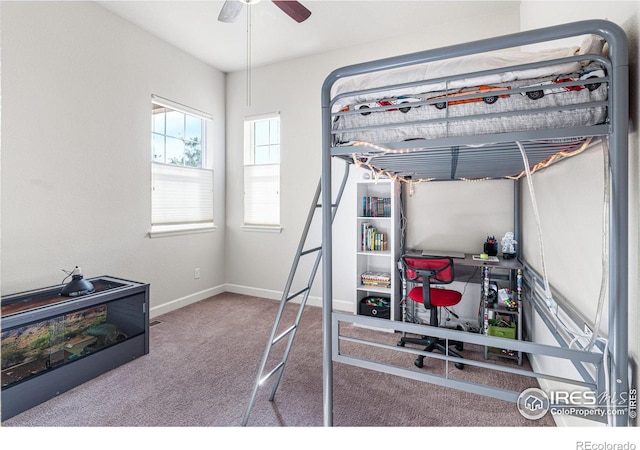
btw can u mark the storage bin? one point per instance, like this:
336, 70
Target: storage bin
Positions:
375, 306
502, 331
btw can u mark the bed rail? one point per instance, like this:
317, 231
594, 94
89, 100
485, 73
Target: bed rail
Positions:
349, 348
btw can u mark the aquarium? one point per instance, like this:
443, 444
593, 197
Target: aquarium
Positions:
45, 337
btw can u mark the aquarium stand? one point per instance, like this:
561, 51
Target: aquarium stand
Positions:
51, 343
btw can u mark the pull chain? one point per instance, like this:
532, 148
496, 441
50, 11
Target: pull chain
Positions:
249, 54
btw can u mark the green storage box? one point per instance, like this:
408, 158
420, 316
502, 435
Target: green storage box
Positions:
502, 331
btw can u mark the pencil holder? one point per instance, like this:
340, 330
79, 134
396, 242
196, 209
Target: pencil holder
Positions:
491, 248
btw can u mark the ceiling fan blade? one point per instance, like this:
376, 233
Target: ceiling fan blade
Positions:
293, 9
230, 11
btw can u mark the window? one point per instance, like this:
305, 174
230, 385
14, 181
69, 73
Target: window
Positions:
262, 172
182, 186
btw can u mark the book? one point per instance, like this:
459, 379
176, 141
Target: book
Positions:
372, 240
376, 279
376, 206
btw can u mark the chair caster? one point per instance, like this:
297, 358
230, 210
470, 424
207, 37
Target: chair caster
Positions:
459, 346
400, 344
459, 366
419, 362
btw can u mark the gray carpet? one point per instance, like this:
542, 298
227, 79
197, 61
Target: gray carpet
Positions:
203, 361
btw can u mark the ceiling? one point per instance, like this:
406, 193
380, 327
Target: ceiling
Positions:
193, 26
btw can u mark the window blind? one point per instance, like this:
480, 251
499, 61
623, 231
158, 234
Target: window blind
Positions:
181, 195
160, 101
262, 194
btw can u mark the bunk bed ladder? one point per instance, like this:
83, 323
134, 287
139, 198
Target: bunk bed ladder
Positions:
287, 296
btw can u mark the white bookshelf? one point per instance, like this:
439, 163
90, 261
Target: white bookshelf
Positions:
379, 260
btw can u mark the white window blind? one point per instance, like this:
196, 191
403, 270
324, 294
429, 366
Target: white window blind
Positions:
181, 195
262, 194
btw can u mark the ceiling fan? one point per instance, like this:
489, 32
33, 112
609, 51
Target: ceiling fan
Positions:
232, 8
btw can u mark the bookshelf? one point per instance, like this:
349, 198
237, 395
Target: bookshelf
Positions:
378, 247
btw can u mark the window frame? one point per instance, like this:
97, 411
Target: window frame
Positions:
249, 161
188, 227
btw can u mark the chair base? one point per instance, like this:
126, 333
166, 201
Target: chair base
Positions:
431, 345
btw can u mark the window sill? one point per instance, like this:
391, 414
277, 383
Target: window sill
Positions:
178, 230
263, 228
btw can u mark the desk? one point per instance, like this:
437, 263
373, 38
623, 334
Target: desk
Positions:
514, 267
515, 270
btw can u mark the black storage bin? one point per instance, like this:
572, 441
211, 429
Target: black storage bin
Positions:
375, 307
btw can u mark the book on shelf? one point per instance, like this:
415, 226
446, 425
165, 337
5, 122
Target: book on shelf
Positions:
372, 240
376, 206
376, 279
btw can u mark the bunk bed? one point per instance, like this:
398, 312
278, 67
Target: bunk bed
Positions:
478, 111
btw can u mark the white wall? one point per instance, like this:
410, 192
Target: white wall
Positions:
458, 216
76, 100
259, 262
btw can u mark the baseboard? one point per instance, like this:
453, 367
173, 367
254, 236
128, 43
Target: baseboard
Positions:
341, 305
186, 300
253, 292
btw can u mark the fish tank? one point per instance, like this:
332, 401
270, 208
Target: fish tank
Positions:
46, 333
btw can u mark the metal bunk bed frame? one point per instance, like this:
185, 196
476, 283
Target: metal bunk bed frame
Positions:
616, 130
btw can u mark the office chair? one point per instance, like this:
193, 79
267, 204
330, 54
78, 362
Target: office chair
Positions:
435, 270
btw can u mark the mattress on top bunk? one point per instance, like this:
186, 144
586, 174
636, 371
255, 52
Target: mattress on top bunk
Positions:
505, 102
591, 45
544, 104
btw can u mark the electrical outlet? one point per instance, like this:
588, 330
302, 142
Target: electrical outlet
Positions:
196, 273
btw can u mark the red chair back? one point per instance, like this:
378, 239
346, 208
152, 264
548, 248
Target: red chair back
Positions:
441, 267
